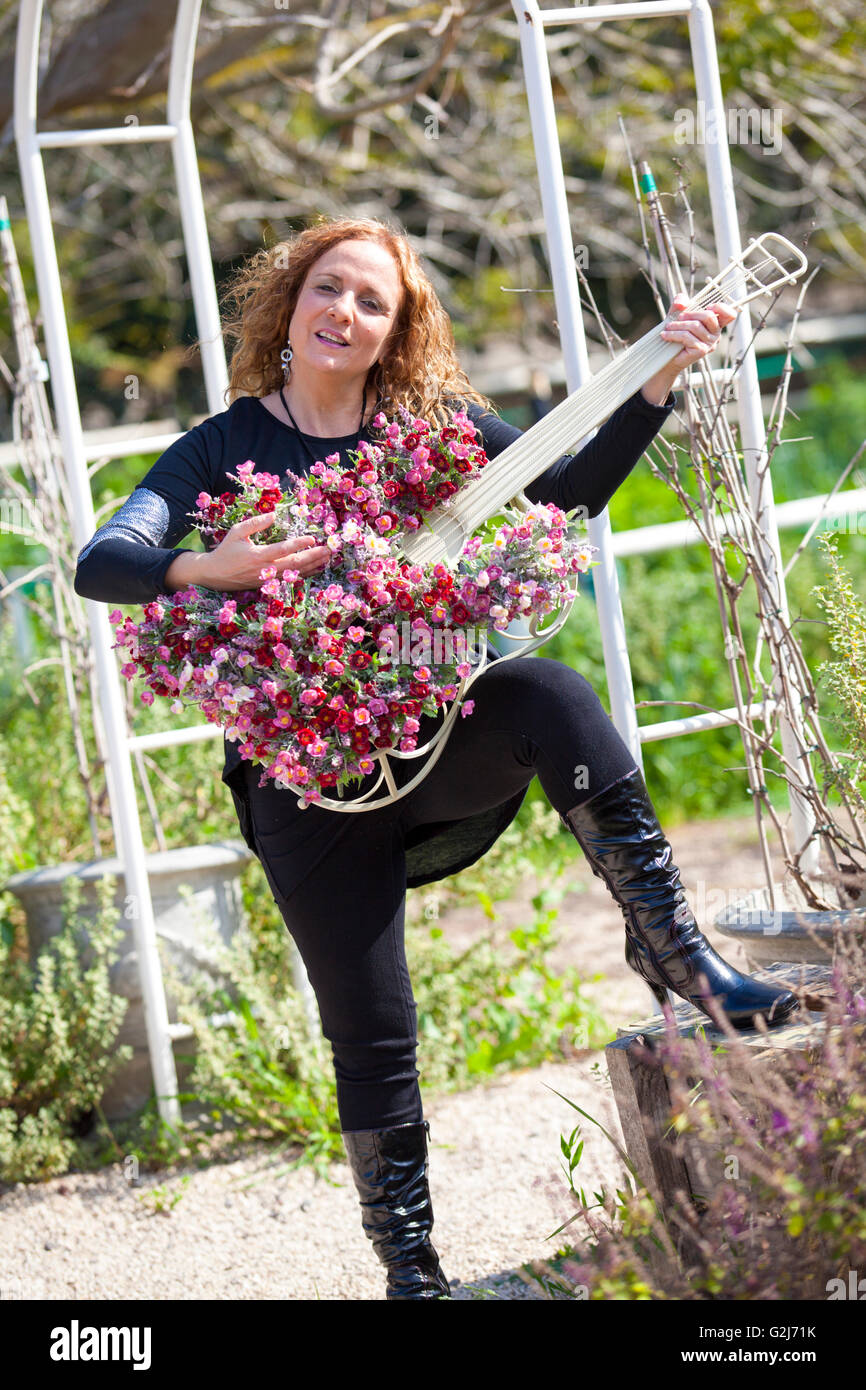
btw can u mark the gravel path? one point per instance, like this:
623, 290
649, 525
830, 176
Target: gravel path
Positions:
248, 1229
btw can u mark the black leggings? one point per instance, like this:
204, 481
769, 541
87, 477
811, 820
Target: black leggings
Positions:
531, 716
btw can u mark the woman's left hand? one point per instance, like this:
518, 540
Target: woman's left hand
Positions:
698, 330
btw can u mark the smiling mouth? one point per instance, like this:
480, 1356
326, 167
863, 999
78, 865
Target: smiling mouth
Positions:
324, 337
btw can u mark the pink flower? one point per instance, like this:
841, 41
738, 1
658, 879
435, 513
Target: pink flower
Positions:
362, 715
466, 708
147, 697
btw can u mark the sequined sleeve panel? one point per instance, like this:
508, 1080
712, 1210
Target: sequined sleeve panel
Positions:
126, 560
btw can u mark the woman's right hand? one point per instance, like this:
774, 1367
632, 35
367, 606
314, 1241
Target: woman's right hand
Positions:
236, 563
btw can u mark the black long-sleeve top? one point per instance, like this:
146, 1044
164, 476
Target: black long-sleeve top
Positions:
127, 558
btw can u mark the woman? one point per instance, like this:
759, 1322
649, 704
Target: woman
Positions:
332, 326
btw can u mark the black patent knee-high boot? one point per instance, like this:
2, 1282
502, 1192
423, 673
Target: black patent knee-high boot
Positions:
620, 835
389, 1167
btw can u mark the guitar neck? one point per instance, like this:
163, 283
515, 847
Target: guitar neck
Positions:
563, 427
538, 447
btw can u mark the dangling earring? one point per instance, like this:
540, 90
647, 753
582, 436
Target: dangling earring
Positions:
286, 356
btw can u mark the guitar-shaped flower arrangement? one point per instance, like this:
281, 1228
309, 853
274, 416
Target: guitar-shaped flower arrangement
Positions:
325, 680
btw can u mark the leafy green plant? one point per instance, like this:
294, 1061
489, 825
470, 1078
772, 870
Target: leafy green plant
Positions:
161, 1201
846, 676
58, 1027
257, 1060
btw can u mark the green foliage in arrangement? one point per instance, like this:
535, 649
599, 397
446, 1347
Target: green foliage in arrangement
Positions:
59, 1022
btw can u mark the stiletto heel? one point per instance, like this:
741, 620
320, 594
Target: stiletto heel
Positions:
619, 833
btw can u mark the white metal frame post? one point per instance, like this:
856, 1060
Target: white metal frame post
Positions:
532, 23
30, 143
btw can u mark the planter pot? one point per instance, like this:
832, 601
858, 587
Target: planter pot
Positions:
789, 933
211, 871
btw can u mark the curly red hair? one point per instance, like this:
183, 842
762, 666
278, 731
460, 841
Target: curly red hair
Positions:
419, 368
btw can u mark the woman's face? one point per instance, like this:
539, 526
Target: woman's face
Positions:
346, 308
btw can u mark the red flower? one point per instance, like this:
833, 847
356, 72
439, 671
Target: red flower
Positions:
459, 613
264, 656
359, 661
411, 441
405, 602
306, 736
345, 722
333, 619
178, 615
204, 644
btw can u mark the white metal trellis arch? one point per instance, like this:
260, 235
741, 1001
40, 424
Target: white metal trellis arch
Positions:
177, 132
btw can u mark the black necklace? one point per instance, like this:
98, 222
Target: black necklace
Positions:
302, 437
